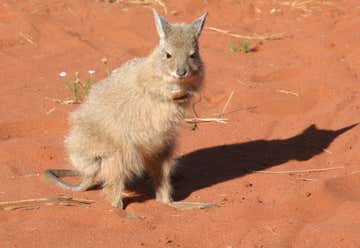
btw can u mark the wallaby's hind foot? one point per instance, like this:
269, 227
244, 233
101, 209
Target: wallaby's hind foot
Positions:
113, 193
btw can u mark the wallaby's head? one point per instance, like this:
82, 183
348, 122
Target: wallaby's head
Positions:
178, 51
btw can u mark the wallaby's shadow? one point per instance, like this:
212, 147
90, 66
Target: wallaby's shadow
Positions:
208, 166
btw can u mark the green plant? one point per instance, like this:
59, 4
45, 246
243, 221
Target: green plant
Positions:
75, 87
245, 46
79, 89
89, 82
242, 46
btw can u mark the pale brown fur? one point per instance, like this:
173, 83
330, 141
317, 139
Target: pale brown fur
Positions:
128, 122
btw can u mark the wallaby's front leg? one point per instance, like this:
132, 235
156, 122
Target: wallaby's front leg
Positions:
160, 174
163, 190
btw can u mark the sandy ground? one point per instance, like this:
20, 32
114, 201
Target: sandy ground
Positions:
295, 102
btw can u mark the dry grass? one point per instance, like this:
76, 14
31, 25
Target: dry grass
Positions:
196, 119
255, 36
142, 2
27, 38
305, 5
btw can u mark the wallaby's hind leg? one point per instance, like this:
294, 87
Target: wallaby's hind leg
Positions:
113, 192
162, 182
114, 175
114, 181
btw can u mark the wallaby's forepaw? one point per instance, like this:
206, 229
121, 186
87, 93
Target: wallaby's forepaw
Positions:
192, 205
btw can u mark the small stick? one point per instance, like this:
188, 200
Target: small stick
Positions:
25, 37
199, 120
106, 64
277, 36
299, 171
226, 104
327, 151
193, 105
354, 172
31, 203
147, 2
194, 111
163, 5
32, 175
307, 179
50, 111
288, 92
64, 102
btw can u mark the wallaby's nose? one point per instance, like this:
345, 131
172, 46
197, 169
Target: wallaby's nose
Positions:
181, 72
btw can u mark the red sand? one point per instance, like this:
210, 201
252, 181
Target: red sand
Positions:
317, 61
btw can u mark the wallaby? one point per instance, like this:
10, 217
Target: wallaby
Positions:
128, 122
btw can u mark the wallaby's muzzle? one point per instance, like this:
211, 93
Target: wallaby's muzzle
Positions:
181, 72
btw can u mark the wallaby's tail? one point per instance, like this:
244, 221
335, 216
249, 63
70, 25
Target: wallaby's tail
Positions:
54, 176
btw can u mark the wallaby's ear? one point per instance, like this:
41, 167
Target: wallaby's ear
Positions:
311, 129
198, 24
162, 26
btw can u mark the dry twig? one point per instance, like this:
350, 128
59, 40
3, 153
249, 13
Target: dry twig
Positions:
305, 5
277, 36
287, 92
199, 120
194, 111
354, 172
31, 203
226, 104
65, 101
307, 179
194, 103
327, 151
27, 38
299, 171
147, 2
50, 111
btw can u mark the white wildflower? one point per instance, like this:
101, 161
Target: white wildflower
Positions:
62, 74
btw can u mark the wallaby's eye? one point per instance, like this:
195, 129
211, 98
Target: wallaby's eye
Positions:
168, 55
192, 55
